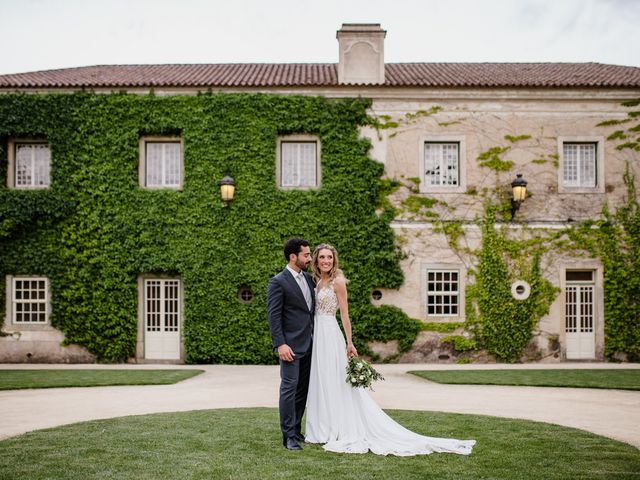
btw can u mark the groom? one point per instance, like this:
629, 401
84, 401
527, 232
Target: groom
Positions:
290, 307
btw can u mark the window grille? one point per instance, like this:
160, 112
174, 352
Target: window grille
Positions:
579, 301
32, 165
30, 300
441, 164
299, 164
443, 294
579, 308
162, 304
579, 164
163, 164
245, 294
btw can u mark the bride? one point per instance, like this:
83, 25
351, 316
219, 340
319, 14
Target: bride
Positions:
343, 418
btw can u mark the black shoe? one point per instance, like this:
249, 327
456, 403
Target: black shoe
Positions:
290, 443
298, 437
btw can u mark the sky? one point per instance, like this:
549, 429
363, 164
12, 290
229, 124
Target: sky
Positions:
50, 34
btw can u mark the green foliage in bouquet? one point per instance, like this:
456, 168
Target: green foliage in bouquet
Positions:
360, 373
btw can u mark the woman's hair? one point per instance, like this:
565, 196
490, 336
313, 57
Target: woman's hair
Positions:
315, 268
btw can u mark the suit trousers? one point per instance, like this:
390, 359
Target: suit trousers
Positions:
294, 386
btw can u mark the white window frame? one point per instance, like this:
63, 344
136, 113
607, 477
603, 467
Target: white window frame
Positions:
142, 168
142, 312
443, 267
12, 301
599, 168
598, 299
12, 168
462, 160
279, 168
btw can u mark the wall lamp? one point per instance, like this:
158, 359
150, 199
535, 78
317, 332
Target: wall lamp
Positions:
227, 188
519, 189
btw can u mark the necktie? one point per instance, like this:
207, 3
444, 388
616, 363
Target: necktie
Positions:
305, 289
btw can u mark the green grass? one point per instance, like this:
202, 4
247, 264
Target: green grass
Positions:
246, 444
623, 379
19, 379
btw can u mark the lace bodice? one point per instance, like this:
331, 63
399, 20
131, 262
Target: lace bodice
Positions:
326, 301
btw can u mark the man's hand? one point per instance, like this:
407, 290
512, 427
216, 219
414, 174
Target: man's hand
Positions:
285, 353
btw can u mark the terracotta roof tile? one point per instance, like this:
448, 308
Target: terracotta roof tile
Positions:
452, 75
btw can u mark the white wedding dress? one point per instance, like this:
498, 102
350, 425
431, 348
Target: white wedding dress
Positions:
346, 419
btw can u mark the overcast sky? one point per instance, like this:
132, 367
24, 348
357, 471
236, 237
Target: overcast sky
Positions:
49, 34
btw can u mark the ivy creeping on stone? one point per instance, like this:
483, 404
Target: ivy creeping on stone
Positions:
95, 230
616, 242
629, 136
499, 322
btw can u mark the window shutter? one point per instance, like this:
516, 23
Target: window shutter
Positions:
298, 164
570, 165
579, 165
33, 165
588, 165
441, 164
171, 164
154, 164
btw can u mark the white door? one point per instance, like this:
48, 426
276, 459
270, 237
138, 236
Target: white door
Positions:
162, 319
579, 315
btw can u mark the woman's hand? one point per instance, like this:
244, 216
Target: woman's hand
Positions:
351, 350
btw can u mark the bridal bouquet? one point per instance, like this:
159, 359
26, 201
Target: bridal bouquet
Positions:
360, 373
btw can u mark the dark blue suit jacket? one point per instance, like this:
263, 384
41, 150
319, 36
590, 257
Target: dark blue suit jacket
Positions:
290, 320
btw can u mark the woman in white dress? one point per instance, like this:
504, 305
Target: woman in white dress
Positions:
343, 418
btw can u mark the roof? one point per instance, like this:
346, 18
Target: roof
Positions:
444, 75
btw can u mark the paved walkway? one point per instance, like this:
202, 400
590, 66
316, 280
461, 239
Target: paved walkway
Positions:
612, 413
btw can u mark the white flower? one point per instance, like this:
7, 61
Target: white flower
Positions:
361, 377
359, 366
353, 379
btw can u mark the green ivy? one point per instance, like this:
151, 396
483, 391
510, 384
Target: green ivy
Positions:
492, 159
499, 322
460, 343
616, 242
95, 230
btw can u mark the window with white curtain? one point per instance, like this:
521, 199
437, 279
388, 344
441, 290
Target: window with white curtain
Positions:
32, 165
162, 164
441, 164
298, 164
579, 168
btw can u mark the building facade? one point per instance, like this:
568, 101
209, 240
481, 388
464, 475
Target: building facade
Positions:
451, 137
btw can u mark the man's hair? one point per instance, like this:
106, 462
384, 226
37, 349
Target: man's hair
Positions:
294, 245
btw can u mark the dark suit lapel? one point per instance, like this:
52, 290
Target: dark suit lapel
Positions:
293, 284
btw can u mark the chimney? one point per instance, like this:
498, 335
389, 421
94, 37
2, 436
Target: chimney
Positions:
361, 53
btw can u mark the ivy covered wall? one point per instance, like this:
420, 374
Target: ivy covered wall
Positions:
95, 230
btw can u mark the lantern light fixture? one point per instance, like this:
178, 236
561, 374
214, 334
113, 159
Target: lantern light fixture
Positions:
519, 190
227, 188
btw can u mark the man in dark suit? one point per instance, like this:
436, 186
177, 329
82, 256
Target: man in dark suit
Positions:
291, 306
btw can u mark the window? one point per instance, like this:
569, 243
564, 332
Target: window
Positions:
162, 305
443, 299
245, 294
29, 300
581, 165
161, 163
441, 164
298, 162
29, 164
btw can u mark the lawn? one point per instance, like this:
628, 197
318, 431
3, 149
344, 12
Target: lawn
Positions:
623, 379
19, 379
246, 444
